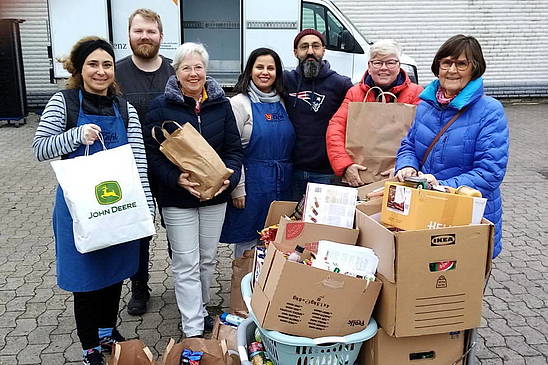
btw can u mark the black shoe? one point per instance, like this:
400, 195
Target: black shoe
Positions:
93, 357
107, 342
209, 322
139, 297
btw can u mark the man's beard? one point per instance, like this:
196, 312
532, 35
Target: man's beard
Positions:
311, 67
145, 50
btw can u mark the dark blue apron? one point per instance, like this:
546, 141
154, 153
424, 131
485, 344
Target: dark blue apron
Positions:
268, 171
95, 270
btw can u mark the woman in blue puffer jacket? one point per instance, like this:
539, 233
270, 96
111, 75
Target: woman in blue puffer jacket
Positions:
473, 151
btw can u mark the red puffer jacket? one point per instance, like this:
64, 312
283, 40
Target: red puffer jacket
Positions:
407, 92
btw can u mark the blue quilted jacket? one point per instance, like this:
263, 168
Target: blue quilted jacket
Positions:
472, 152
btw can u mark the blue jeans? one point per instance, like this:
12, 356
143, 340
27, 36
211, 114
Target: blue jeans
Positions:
301, 178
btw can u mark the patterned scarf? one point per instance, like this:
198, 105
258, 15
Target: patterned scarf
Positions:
442, 99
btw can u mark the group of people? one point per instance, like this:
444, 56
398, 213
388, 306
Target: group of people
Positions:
282, 130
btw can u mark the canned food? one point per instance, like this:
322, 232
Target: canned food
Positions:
416, 182
258, 358
255, 347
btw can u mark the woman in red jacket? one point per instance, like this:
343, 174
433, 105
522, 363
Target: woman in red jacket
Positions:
383, 71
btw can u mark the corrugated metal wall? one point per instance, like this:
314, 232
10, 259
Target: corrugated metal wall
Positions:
34, 39
513, 35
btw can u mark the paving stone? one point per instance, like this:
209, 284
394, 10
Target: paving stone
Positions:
31, 354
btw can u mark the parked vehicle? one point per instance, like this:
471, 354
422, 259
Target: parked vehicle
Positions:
229, 29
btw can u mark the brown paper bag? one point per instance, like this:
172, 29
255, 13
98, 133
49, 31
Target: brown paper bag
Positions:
187, 149
374, 132
225, 332
240, 267
132, 352
215, 352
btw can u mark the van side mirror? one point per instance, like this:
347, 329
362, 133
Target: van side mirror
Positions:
348, 42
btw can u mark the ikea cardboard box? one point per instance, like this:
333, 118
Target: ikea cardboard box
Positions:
409, 209
292, 233
416, 299
440, 349
301, 300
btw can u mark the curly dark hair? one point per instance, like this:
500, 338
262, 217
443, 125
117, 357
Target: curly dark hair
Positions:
75, 80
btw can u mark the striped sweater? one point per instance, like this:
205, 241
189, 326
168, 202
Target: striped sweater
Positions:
51, 140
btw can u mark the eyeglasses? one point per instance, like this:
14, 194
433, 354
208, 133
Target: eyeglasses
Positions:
305, 46
446, 63
188, 69
390, 64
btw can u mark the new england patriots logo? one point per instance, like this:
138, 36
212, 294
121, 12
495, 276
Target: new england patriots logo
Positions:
313, 99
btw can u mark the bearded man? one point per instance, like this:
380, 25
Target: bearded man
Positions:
313, 93
142, 77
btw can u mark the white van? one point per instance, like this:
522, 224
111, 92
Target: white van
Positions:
230, 30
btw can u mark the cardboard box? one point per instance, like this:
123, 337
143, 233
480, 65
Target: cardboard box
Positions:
369, 188
409, 209
292, 233
440, 349
300, 300
416, 301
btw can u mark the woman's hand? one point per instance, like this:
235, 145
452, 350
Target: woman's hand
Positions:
239, 202
352, 175
225, 185
388, 173
183, 182
406, 172
431, 179
90, 133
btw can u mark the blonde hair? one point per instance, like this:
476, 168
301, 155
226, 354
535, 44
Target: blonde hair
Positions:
149, 15
385, 47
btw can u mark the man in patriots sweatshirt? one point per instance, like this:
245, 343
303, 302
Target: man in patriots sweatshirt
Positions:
313, 93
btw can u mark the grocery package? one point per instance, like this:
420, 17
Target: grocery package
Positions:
410, 206
330, 204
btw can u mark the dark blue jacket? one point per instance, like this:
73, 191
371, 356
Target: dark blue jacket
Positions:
217, 126
472, 152
310, 104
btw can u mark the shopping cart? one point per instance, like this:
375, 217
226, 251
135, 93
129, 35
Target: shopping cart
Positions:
284, 349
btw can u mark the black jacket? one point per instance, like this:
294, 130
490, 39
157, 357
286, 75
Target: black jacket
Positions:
310, 104
218, 127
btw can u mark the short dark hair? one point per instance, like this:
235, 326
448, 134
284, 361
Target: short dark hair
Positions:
245, 77
454, 47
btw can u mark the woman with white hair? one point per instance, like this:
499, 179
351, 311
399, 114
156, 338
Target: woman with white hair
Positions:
193, 226
383, 71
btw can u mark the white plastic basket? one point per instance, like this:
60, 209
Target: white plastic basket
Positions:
285, 349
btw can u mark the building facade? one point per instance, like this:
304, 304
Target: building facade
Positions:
513, 34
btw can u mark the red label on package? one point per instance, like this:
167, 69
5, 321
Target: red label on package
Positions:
293, 230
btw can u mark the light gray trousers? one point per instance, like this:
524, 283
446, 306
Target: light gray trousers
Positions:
194, 236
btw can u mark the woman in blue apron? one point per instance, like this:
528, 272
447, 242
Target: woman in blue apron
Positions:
72, 120
268, 137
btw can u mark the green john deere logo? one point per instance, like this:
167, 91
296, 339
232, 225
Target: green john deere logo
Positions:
108, 192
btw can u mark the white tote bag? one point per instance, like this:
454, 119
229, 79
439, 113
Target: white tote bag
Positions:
105, 198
